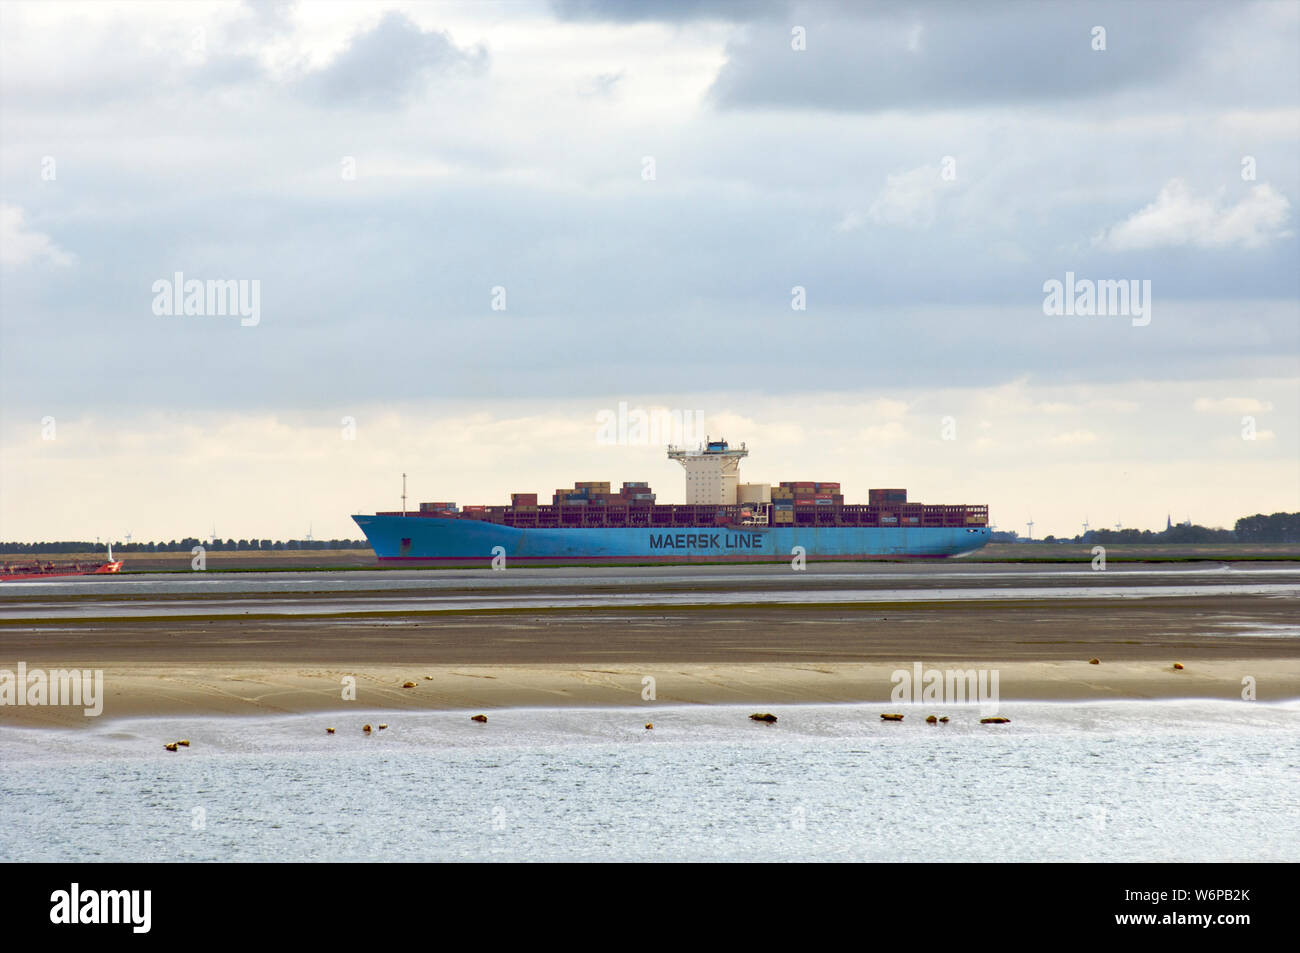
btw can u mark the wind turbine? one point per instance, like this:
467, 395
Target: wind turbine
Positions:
1031, 528
1118, 526
1085, 526
308, 537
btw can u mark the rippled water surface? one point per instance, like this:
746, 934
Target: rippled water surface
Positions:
1176, 781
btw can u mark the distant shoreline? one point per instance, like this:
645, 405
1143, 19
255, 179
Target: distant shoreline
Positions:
355, 560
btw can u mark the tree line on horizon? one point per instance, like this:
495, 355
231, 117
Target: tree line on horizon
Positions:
1276, 528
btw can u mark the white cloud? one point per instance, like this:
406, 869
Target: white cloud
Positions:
909, 199
19, 245
1115, 405
1073, 438
884, 434
1178, 217
1231, 405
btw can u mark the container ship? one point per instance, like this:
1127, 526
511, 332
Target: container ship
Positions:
723, 520
47, 570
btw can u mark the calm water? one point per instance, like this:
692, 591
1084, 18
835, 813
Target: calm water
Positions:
400, 592
1178, 781
843, 575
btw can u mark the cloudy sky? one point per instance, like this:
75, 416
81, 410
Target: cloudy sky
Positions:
473, 227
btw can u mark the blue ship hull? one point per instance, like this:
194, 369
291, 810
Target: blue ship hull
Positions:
467, 542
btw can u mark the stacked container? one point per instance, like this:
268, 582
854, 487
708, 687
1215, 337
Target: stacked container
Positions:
636, 492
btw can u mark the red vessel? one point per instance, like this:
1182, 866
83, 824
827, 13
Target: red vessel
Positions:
39, 570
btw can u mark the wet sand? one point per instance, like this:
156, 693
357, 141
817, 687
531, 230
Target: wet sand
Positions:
279, 688
735, 654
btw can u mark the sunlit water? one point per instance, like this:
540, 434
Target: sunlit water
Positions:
1181, 781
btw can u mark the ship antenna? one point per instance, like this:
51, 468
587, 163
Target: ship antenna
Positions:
403, 494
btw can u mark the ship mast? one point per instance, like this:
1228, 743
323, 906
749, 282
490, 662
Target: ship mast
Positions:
403, 494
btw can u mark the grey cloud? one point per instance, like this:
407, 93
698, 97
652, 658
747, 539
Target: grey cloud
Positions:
386, 65
952, 55
602, 294
379, 288
635, 11
272, 15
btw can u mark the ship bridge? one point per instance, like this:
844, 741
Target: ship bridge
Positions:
712, 472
